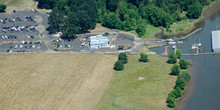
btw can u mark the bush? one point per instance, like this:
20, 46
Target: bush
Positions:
178, 92
175, 70
183, 64
144, 58
119, 65
181, 83
123, 57
178, 53
2, 7
171, 101
185, 75
172, 58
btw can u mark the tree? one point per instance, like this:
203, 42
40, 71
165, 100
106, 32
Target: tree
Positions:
171, 100
111, 20
47, 4
123, 57
112, 5
181, 83
185, 75
194, 10
178, 92
129, 24
119, 65
2, 7
172, 58
141, 30
175, 70
183, 64
143, 58
178, 53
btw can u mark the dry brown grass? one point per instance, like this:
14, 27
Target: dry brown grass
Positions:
53, 81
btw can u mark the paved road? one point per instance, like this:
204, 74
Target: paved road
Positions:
41, 23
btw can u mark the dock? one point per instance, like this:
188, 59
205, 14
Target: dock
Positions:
197, 30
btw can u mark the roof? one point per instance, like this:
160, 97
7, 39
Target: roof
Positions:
216, 40
98, 40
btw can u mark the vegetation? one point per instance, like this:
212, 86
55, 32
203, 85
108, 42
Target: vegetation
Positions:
143, 58
172, 58
183, 64
178, 53
175, 70
185, 75
126, 91
3, 7
123, 57
119, 65
80, 16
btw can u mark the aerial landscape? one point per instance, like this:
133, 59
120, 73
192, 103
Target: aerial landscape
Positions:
109, 54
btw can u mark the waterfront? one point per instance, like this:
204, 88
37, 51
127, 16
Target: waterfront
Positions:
203, 91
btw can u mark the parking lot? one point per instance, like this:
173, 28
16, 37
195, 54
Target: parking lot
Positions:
28, 27
24, 46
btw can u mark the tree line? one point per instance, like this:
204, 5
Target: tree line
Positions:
79, 16
182, 77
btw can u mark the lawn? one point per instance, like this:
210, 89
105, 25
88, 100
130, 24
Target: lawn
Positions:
126, 92
58, 81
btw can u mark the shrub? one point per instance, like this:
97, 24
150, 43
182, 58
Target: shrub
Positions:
178, 92
171, 101
183, 64
123, 57
172, 58
175, 70
185, 75
178, 53
119, 65
181, 83
2, 7
144, 58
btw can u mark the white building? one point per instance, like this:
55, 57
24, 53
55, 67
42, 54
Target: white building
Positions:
99, 41
216, 41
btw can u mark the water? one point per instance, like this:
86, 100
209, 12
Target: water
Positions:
206, 68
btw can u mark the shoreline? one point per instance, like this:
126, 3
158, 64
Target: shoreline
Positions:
188, 92
208, 12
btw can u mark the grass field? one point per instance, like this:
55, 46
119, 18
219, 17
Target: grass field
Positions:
53, 81
125, 92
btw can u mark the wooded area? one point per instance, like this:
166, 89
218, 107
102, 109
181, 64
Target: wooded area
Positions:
78, 16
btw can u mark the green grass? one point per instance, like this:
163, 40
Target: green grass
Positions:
125, 92
151, 31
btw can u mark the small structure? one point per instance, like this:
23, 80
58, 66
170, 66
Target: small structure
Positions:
99, 41
216, 41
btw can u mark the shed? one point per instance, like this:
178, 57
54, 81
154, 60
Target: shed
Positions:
216, 41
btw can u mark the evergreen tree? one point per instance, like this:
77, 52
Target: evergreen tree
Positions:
119, 65
123, 57
178, 53
175, 70
143, 58
181, 83
183, 64
2, 7
172, 58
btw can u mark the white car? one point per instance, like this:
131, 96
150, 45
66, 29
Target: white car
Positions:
23, 42
3, 37
6, 37
28, 36
33, 46
21, 46
16, 46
